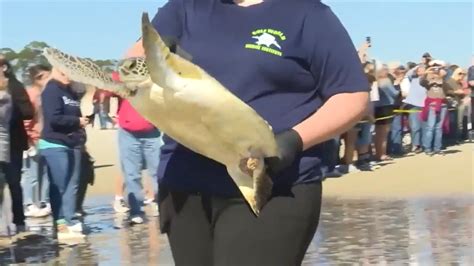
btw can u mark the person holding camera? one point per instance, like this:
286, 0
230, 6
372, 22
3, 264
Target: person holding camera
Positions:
435, 108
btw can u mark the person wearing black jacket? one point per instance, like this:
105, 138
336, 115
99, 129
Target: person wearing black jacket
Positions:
22, 110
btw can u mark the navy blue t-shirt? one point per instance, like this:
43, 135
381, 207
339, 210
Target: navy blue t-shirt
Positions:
284, 58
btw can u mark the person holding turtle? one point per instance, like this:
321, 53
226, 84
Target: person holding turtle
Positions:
307, 83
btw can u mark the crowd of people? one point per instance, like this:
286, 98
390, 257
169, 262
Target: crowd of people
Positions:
429, 103
43, 154
45, 162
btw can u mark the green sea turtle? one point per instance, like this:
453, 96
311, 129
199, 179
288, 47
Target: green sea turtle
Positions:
190, 106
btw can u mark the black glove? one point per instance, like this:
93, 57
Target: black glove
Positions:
172, 43
290, 145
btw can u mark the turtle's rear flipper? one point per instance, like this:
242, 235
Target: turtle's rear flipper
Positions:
255, 185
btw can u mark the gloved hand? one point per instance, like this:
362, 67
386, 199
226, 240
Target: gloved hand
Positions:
172, 43
290, 145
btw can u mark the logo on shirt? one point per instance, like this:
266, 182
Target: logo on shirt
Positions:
267, 40
70, 102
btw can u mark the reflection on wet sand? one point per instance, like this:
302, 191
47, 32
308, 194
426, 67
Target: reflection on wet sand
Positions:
365, 232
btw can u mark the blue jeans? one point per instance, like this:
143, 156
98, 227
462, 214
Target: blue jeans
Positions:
434, 129
365, 134
415, 122
104, 118
64, 169
35, 181
137, 150
395, 137
330, 159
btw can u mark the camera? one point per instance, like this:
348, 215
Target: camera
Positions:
368, 40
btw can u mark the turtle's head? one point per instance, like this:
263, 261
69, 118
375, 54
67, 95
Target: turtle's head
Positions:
133, 71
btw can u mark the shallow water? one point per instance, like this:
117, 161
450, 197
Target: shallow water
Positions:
361, 232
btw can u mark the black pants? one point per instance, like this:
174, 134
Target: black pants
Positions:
3, 182
217, 231
86, 177
13, 177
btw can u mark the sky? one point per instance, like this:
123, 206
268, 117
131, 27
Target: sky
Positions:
401, 30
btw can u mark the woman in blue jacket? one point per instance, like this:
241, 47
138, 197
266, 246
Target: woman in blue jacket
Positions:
61, 142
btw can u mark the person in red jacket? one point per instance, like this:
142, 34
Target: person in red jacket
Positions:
139, 147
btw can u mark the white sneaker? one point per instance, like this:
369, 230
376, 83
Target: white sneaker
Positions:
154, 209
32, 211
334, 173
47, 208
348, 168
136, 220
148, 201
66, 233
374, 165
77, 228
120, 206
43, 212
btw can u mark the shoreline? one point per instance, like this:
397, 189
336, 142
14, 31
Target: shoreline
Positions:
407, 177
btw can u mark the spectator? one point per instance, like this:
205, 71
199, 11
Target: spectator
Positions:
139, 143
35, 173
384, 112
5, 115
350, 139
86, 177
101, 102
470, 80
411, 65
435, 107
22, 109
62, 143
455, 95
414, 103
395, 146
426, 59
365, 135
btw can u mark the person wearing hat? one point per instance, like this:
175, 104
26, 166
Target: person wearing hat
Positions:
426, 58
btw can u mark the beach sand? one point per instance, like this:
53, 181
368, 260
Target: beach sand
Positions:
412, 176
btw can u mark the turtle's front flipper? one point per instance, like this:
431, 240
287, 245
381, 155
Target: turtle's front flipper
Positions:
162, 64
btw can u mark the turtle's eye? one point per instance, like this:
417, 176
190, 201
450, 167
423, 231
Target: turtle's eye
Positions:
133, 65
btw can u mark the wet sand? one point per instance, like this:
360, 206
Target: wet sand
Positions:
351, 232
417, 210
411, 176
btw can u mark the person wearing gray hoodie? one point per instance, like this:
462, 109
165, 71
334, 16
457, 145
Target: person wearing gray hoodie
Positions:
5, 115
